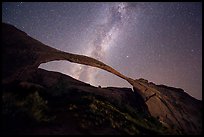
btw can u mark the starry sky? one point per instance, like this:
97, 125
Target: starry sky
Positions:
160, 42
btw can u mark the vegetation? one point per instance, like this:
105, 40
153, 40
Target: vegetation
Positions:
92, 113
30, 108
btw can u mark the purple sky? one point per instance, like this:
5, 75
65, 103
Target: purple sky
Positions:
160, 42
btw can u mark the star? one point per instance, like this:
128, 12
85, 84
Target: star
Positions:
152, 40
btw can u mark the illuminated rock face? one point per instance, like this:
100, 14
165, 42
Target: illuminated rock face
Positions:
22, 56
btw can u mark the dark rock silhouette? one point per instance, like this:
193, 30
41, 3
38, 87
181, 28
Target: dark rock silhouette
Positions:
21, 56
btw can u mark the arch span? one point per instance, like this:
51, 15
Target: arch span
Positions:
55, 55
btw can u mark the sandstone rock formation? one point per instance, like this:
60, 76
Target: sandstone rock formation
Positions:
170, 110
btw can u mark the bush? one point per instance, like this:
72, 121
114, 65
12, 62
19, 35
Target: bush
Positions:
30, 107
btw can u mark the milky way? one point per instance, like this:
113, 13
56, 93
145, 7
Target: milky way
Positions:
161, 42
104, 35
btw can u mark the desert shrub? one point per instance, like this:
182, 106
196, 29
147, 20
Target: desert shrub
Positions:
36, 107
31, 107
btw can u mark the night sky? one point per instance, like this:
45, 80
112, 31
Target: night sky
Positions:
160, 42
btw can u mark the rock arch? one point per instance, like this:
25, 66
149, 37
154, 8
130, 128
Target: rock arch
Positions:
22, 55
